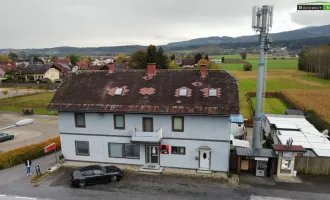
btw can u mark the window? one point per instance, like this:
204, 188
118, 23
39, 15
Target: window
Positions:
119, 91
115, 150
80, 120
97, 172
132, 150
87, 173
82, 148
148, 125
212, 92
183, 92
178, 150
118, 150
177, 123
119, 121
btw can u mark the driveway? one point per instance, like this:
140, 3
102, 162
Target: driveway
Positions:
44, 128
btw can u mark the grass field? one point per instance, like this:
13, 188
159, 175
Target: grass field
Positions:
272, 105
38, 102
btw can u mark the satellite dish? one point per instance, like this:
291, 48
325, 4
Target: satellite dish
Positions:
74, 69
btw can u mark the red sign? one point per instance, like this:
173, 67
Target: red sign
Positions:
50, 147
164, 148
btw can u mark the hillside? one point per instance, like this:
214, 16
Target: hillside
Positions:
294, 40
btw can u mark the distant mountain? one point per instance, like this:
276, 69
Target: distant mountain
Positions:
307, 32
313, 35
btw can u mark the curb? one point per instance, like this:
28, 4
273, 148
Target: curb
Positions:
45, 174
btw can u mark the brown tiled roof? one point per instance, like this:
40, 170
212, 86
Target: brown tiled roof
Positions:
94, 91
293, 148
8, 66
188, 61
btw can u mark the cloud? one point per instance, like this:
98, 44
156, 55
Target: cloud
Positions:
42, 23
311, 18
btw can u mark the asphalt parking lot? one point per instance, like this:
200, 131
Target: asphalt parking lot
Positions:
138, 182
44, 128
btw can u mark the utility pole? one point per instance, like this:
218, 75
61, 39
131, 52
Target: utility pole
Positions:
261, 21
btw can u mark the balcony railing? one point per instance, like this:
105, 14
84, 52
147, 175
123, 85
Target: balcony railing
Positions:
147, 137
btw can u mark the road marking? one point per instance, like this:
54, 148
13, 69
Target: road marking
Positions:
266, 198
19, 197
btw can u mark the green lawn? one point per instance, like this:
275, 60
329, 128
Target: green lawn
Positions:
271, 65
272, 106
249, 56
315, 79
38, 102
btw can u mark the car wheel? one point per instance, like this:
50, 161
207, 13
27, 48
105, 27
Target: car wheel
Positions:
113, 178
12, 137
82, 184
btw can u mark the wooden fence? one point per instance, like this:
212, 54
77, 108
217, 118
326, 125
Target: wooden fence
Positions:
312, 165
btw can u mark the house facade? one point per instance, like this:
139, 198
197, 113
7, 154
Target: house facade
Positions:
41, 71
132, 117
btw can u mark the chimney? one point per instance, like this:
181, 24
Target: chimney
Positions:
111, 67
203, 70
151, 69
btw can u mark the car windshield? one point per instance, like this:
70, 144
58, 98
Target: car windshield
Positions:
103, 169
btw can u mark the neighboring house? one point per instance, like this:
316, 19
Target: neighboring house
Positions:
216, 61
39, 72
110, 66
178, 61
283, 127
153, 118
188, 63
22, 63
7, 66
98, 62
63, 61
82, 65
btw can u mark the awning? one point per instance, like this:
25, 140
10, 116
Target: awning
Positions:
204, 147
249, 152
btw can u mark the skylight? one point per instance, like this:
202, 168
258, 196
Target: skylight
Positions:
183, 92
119, 91
212, 92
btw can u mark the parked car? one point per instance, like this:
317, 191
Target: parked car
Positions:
5, 137
94, 174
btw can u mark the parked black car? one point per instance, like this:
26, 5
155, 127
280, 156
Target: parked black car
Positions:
5, 137
94, 174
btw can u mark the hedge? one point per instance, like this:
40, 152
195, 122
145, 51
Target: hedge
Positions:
18, 156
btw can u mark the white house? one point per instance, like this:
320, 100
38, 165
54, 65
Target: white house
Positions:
41, 71
153, 118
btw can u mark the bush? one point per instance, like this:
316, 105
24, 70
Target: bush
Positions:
229, 174
4, 92
247, 66
18, 156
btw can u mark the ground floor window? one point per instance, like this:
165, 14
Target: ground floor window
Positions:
178, 150
82, 148
119, 150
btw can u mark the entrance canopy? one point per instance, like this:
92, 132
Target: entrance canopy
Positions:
147, 137
204, 147
249, 152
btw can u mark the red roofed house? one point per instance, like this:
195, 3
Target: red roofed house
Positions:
154, 118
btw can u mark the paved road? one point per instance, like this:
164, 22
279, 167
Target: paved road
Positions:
43, 128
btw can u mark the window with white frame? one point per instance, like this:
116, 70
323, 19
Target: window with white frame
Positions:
212, 92
177, 123
183, 92
119, 91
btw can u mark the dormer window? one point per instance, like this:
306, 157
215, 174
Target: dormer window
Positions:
212, 92
119, 91
183, 92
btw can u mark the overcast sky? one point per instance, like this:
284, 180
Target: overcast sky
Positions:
93, 23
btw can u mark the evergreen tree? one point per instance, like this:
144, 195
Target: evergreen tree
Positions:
206, 57
151, 54
138, 60
172, 57
223, 60
198, 57
162, 60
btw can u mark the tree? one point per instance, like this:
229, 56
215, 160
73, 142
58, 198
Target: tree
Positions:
247, 66
206, 57
243, 54
162, 60
223, 60
212, 65
198, 57
89, 59
4, 58
152, 54
173, 65
53, 58
138, 60
36, 59
172, 57
302, 61
4, 92
73, 58
120, 58
13, 56
202, 61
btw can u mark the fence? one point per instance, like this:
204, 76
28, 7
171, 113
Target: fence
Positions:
45, 86
312, 165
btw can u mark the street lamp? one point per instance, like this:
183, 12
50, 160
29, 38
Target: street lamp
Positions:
22, 122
